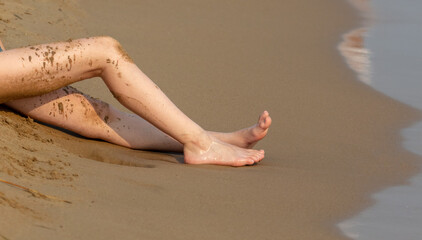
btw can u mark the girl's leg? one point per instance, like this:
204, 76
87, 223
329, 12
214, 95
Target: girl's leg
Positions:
68, 107
41, 69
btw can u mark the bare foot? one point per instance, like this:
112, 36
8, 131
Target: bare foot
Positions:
247, 137
220, 153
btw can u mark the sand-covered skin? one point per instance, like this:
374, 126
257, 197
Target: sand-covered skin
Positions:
333, 140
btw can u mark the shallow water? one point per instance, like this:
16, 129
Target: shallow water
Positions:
389, 60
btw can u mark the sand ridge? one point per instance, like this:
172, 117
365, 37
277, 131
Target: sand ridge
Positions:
28, 155
21, 143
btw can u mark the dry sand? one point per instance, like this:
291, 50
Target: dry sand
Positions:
333, 141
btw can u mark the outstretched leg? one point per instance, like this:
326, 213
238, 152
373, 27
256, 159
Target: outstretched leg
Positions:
41, 69
68, 107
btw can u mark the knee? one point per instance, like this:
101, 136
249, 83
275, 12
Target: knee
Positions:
106, 41
112, 48
100, 110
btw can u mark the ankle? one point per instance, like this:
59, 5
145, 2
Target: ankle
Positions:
201, 141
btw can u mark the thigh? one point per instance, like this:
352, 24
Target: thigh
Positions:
36, 70
67, 108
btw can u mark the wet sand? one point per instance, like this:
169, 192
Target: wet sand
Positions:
334, 140
389, 62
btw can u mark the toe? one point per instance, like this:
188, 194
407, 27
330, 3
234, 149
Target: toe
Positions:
265, 122
260, 155
250, 162
256, 156
244, 161
262, 116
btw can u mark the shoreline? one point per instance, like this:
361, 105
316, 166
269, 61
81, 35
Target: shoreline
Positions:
352, 47
331, 145
375, 222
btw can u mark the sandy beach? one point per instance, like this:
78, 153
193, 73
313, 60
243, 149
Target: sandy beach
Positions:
333, 142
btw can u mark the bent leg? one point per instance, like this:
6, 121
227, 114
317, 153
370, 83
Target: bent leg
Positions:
70, 109
37, 70
41, 69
